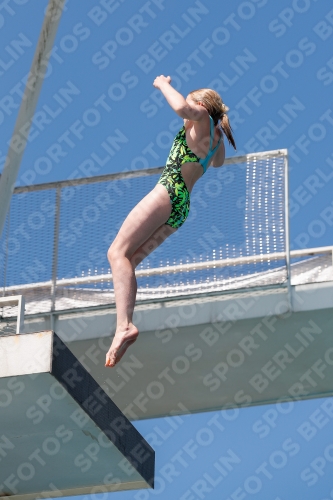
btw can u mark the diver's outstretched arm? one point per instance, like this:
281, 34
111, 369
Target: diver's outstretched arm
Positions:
185, 108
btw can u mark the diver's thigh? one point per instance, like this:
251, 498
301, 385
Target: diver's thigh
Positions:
154, 241
143, 220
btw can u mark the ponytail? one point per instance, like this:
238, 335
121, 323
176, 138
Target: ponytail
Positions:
216, 108
226, 127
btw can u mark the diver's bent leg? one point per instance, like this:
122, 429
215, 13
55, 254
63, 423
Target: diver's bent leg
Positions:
138, 227
153, 242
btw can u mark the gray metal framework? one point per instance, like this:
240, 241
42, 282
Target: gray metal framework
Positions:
28, 104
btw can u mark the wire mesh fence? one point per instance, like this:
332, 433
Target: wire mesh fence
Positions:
53, 249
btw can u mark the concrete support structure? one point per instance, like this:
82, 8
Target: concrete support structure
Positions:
61, 435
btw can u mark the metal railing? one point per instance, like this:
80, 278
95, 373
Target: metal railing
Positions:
186, 267
126, 174
18, 302
57, 282
86, 280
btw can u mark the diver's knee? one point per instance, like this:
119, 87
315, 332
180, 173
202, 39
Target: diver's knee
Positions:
112, 252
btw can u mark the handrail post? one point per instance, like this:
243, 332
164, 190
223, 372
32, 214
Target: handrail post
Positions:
55, 253
6, 254
287, 227
20, 314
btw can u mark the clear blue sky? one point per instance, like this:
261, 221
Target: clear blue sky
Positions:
273, 64
264, 56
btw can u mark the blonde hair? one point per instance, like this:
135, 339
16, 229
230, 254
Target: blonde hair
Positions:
216, 108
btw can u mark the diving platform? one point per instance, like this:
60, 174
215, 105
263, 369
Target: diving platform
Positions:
229, 315
61, 434
196, 354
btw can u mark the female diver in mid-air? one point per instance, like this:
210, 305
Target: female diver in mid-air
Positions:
161, 212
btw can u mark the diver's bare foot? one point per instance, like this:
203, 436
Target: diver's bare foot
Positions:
122, 340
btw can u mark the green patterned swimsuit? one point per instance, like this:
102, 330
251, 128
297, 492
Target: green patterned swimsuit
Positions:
172, 178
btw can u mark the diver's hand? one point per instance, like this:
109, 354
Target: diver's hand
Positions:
160, 80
